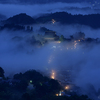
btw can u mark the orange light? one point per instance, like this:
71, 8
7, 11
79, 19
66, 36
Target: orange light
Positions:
52, 77
67, 87
57, 95
58, 41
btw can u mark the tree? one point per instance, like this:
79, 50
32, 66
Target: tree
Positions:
61, 38
1, 72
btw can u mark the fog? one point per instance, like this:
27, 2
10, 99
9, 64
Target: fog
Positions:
68, 30
19, 54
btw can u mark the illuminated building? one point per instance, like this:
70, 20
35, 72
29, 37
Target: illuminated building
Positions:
53, 75
50, 33
50, 36
53, 21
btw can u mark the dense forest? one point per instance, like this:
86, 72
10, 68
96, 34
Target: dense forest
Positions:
32, 85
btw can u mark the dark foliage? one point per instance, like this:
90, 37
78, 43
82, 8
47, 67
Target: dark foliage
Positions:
65, 18
1, 72
12, 27
22, 19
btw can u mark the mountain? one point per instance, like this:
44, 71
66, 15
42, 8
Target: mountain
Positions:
21, 19
92, 20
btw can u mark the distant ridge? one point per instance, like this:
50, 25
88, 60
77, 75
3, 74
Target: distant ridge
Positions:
92, 20
22, 19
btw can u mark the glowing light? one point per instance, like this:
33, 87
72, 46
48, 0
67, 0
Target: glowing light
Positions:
58, 42
60, 93
30, 81
57, 94
75, 45
67, 87
53, 21
79, 40
53, 75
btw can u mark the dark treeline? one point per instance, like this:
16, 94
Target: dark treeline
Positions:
32, 85
65, 18
62, 17
21, 19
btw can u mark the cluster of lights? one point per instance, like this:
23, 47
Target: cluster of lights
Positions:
58, 42
61, 93
53, 21
53, 75
67, 87
75, 45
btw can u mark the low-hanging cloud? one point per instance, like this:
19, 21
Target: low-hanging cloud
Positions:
68, 30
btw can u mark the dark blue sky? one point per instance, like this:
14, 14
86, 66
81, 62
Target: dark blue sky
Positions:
44, 1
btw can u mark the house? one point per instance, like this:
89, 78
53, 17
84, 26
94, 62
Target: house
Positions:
50, 36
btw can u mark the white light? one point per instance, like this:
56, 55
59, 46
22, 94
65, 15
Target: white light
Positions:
60, 93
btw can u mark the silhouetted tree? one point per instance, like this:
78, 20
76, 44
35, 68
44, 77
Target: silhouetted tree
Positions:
61, 38
1, 72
